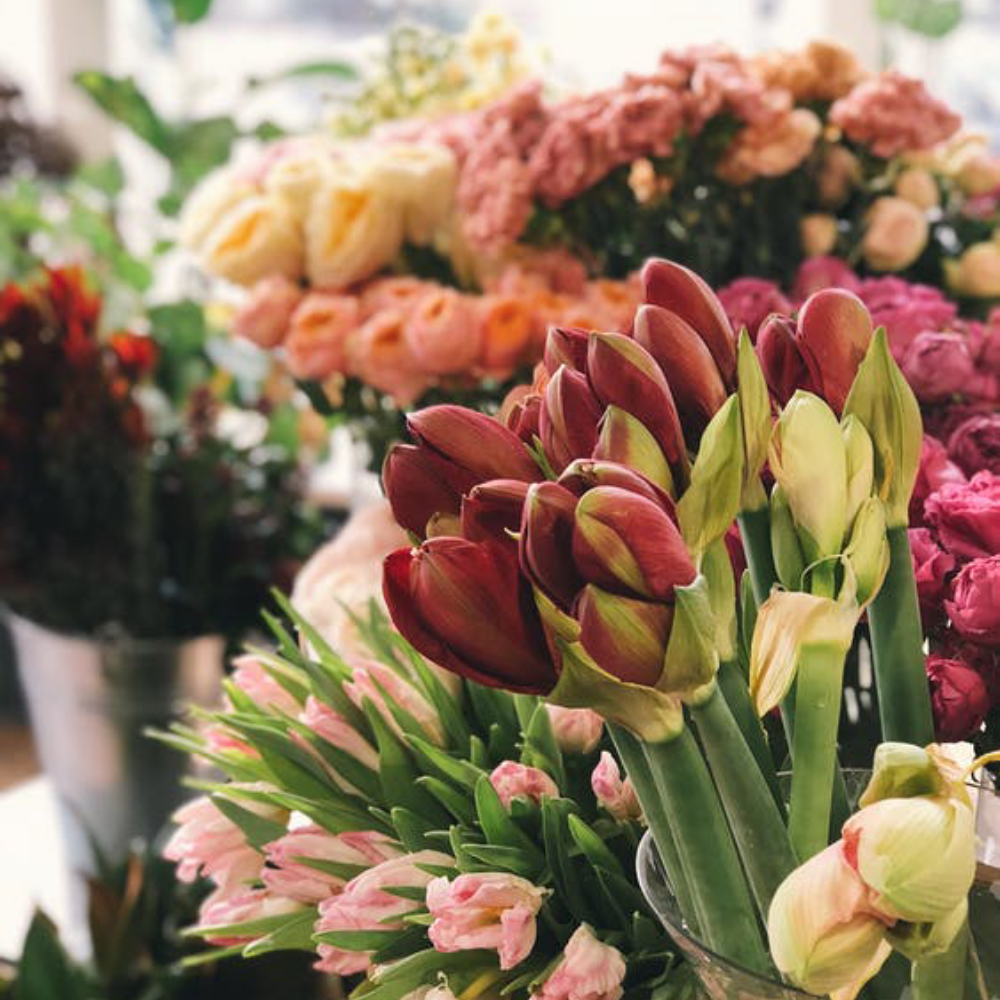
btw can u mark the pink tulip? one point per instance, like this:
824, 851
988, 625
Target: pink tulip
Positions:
335, 729
265, 316
512, 780
291, 874
253, 680
382, 686
577, 730
588, 970
967, 516
221, 910
364, 905
490, 910
443, 333
316, 343
614, 793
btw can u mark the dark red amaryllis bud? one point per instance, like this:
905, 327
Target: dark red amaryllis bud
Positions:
691, 370
781, 360
684, 293
623, 373
624, 439
546, 542
584, 474
629, 545
523, 416
625, 636
566, 345
466, 606
568, 418
420, 484
492, 509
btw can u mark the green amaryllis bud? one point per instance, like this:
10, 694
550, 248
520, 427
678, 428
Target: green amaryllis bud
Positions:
692, 658
917, 941
624, 439
917, 856
860, 465
902, 770
809, 460
717, 569
788, 622
712, 500
627, 544
867, 554
785, 546
755, 417
884, 403
626, 637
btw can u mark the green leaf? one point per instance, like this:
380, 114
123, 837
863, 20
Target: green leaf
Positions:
540, 746
498, 858
461, 772
258, 830
407, 942
592, 846
190, 11
390, 982
411, 828
338, 869
105, 176
497, 825
294, 935
456, 802
556, 837
122, 99
45, 971
357, 940
340, 70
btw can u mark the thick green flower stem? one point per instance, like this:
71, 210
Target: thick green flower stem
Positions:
942, 977
814, 751
707, 851
757, 824
897, 650
658, 820
734, 687
755, 530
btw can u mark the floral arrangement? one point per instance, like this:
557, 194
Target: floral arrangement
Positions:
102, 473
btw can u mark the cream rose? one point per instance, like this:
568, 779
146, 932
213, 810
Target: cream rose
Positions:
218, 194
895, 234
917, 185
299, 173
819, 233
977, 271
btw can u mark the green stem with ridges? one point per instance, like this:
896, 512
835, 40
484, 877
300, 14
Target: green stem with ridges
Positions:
814, 754
942, 976
758, 825
707, 850
658, 820
897, 650
755, 530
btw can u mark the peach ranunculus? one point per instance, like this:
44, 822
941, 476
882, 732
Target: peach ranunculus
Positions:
818, 231
512, 780
364, 905
613, 301
397, 291
265, 315
379, 355
577, 730
588, 970
613, 792
896, 233
770, 148
442, 332
822, 71
320, 327
490, 910
507, 326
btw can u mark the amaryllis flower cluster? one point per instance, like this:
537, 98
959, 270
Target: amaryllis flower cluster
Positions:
403, 335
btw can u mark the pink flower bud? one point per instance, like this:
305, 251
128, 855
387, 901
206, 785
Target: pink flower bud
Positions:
265, 316
974, 608
614, 793
577, 730
382, 686
513, 780
959, 697
335, 729
975, 444
938, 365
490, 910
253, 680
220, 910
588, 970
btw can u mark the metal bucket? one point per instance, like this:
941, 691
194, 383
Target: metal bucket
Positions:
89, 701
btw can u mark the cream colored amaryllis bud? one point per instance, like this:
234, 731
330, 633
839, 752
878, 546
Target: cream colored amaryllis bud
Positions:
785, 546
860, 465
818, 232
918, 186
821, 935
809, 459
866, 554
896, 233
917, 856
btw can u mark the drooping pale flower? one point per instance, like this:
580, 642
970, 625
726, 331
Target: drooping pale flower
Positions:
577, 730
613, 792
589, 970
246, 906
512, 780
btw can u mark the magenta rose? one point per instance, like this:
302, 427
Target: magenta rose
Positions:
975, 444
818, 273
967, 516
749, 301
959, 698
936, 469
938, 365
905, 309
931, 566
974, 608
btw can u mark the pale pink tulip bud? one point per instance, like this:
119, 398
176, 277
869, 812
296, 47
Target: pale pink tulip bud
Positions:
492, 910
614, 793
512, 780
291, 874
377, 682
221, 910
589, 970
577, 730
364, 905
265, 316
253, 680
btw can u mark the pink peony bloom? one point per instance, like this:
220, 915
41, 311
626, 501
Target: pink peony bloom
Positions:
974, 608
251, 677
893, 113
905, 309
290, 875
265, 315
364, 905
935, 470
376, 682
210, 844
335, 729
967, 516
818, 273
442, 332
512, 780
975, 444
379, 355
588, 970
749, 301
959, 697
490, 910
613, 793
220, 910
320, 327
641, 118
577, 730
931, 566
570, 156
937, 366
